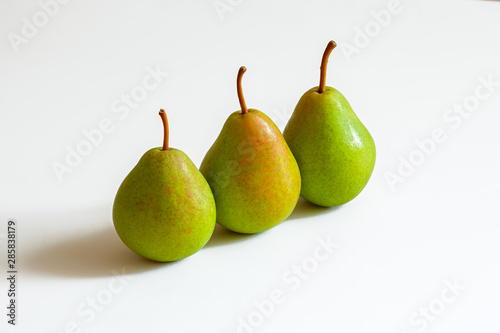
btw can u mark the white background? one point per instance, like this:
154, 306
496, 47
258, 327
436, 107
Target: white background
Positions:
398, 245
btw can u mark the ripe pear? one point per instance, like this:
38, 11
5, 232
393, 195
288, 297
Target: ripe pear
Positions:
252, 172
334, 150
164, 209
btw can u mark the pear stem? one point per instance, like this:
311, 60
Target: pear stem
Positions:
240, 91
164, 119
322, 78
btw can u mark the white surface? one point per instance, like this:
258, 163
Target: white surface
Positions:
396, 248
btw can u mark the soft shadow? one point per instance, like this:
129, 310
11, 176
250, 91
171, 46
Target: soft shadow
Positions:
305, 209
102, 253
95, 254
222, 236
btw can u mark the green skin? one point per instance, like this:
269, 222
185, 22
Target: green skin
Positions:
334, 150
253, 174
164, 209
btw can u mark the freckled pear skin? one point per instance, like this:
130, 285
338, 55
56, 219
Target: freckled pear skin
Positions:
334, 150
252, 172
164, 209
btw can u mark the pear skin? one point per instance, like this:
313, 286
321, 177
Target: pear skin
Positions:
334, 150
164, 210
252, 172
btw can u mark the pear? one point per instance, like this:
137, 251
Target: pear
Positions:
164, 209
334, 150
252, 172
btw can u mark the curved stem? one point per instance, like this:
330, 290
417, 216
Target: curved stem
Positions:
164, 119
240, 91
322, 79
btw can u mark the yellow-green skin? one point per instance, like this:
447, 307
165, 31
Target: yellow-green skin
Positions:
334, 150
253, 174
164, 209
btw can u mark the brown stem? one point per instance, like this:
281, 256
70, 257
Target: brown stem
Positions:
240, 91
322, 79
164, 119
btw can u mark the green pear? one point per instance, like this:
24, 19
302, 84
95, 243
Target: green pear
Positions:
164, 209
334, 150
252, 172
